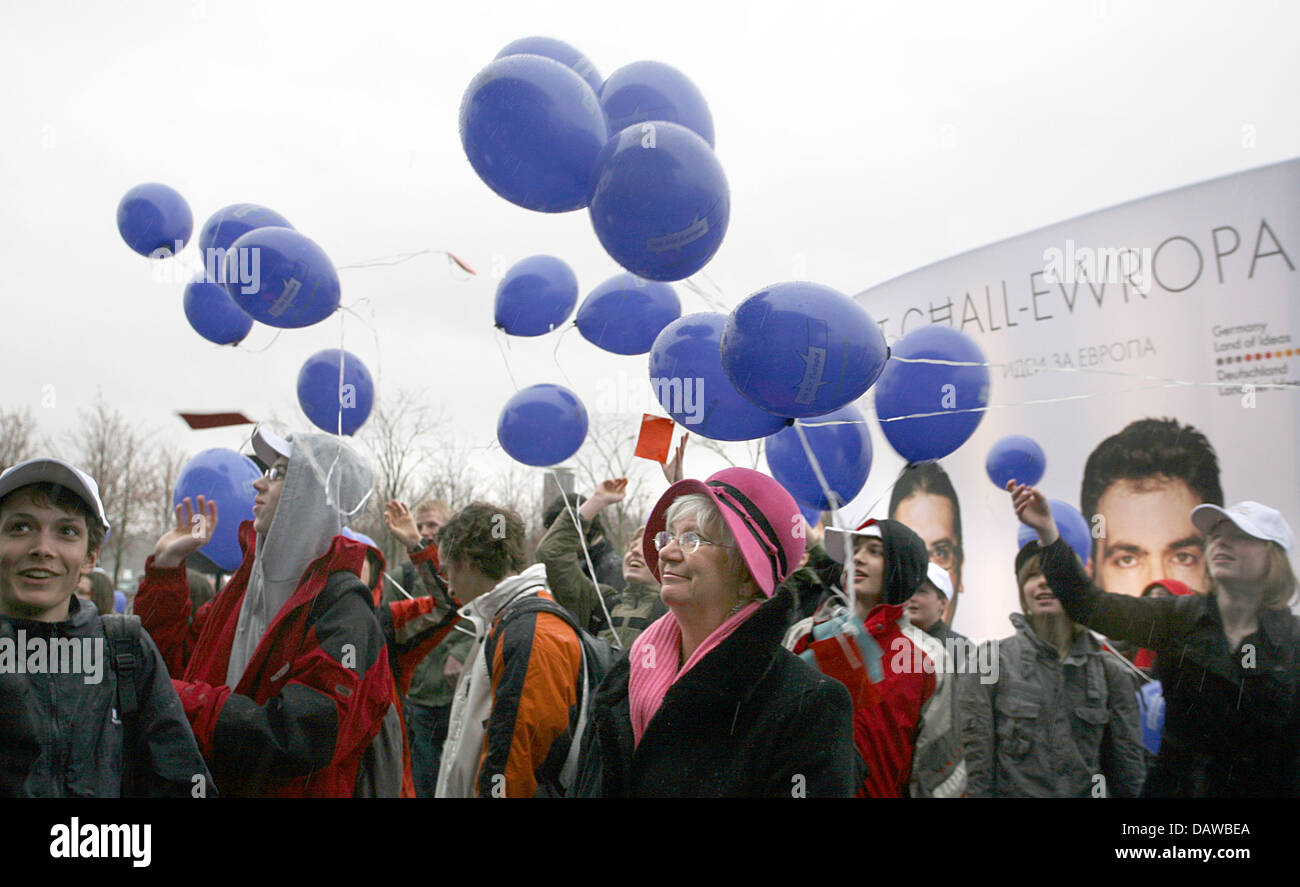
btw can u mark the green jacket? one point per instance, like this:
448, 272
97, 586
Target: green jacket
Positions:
632, 609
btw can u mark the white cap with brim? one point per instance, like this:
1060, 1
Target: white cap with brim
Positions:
1251, 518
270, 446
939, 578
55, 471
838, 541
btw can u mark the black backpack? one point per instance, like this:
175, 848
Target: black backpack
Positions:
597, 660
125, 654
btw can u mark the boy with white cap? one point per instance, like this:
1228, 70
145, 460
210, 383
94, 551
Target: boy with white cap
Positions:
88, 725
287, 681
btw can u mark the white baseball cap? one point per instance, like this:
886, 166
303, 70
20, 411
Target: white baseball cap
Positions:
55, 471
837, 541
1251, 518
939, 578
269, 446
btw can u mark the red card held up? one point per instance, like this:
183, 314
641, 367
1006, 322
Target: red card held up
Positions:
656, 438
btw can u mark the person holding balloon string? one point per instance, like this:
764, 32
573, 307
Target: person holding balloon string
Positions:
286, 680
1229, 660
900, 678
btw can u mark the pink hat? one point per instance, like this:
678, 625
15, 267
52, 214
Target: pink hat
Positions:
763, 517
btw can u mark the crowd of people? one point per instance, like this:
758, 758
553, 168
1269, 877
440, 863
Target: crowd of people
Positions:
732, 649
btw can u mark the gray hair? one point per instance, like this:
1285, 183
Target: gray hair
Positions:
712, 527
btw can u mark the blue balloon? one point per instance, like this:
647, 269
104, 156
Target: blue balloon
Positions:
843, 452
213, 314
625, 313
154, 220
322, 399
281, 278
559, 51
1017, 458
1151, 714
687, 378
644, 91
660, 204
1073, 526
812, 515
801, 349
542, 425
119, 601
532, 129
536, 295
225, 477
227, 225
910, 389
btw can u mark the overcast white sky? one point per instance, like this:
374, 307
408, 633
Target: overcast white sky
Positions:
860, 141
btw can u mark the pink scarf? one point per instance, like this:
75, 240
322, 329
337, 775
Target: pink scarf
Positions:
653, 660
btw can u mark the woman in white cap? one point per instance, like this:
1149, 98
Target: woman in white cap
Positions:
1229, 660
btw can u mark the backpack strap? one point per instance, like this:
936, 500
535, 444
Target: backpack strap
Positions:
532, 603
125, 654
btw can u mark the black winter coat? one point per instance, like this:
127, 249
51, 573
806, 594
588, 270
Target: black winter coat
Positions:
750, 719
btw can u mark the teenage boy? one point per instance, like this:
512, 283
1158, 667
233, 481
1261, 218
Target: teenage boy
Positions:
81, 734
286, 680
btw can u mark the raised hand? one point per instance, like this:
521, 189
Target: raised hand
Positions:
1032, 509
193, 530
673, 470
611, 491
401, 523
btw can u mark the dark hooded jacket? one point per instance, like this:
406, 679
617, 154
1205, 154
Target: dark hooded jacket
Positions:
69, 741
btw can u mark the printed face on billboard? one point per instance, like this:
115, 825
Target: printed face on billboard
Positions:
1148, 535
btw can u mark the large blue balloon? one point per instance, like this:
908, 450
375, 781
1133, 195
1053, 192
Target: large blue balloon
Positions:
686, 374
843, 452
213, 314
660, 204
801, 349
1073, 526
542, 425
536, 295
625, 313
227, 225
910, 389
281, 278
560, 52
225, 477
645, 91
1015, 457
532, 129
154, 220
324, 402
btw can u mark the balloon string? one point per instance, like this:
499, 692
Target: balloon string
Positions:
708, 299
505, 360
555, 355
572, 511
834, 501
399, 258
1121, 373
374, 334
264, 347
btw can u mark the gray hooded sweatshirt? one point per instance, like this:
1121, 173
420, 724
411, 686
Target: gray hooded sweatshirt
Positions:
327, 485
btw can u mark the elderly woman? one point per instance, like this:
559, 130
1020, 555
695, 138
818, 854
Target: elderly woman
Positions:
1229, 660
708, 700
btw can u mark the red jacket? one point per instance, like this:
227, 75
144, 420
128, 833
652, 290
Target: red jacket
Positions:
886, 715
313, 696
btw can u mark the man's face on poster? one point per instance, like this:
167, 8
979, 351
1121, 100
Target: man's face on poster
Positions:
1148, 535
931, 518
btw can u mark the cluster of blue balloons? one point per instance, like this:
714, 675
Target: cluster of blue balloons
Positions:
544, 131
256, 266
